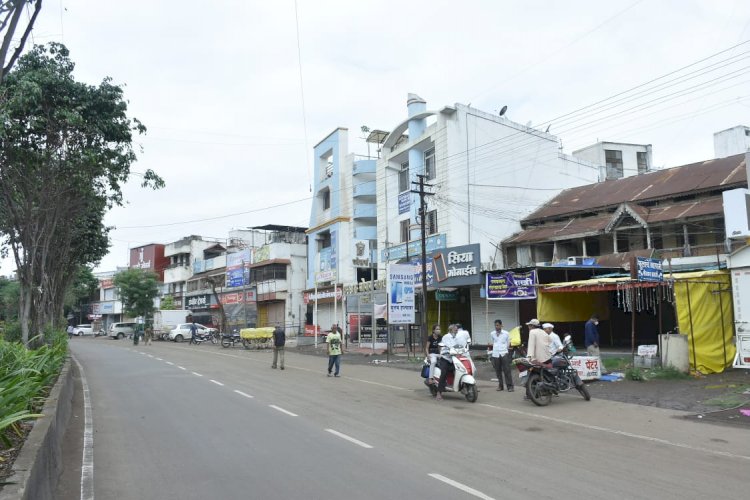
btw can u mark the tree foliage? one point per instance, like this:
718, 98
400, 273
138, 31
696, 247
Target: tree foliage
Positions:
8, 299
65, 153
167, 303
137, 289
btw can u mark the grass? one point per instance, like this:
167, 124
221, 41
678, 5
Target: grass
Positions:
617, 364
667, 373
732, 399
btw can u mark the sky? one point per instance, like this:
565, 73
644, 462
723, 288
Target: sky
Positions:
235, 93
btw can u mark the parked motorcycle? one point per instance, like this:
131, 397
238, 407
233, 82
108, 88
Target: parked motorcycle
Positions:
460, 380
230, 339
201, 337
552, 377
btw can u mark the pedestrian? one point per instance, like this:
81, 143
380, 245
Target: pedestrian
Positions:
71, 331
334, 350
591, 339
279, 339
193, 332
538, 350
136, 335
500, 355
149, 335
432, 351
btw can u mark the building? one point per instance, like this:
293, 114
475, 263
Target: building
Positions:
485, 172
732, 141
618, 159
342, 239
181, 255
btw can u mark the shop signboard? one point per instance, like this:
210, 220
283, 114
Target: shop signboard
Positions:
236, 297
398, 252
649, 269
106, 308
334, 250
456, 266
142, 257
237, 270
417, 263
323, 296
404, 202
588, 367
400, 294
361, 253
446, 296
511, 285
202, 301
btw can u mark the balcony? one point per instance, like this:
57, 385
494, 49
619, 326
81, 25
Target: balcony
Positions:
363, 167
366, 233
365, 211
364, 189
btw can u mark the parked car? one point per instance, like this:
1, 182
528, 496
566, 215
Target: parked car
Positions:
85, 329
121, 330
182, 331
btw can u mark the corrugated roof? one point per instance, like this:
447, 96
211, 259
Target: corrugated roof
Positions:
720, 173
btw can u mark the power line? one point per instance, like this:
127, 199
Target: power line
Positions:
302, 92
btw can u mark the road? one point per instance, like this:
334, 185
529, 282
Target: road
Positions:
173, 421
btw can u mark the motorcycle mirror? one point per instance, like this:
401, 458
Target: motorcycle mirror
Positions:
568, 339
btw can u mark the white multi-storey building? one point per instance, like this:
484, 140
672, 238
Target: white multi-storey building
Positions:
618, 159
732, 141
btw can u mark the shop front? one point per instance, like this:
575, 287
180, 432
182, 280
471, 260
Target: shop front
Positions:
324, 308
365, 313
201, 307
240, 308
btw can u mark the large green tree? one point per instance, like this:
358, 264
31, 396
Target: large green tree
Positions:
137, 289
65, 152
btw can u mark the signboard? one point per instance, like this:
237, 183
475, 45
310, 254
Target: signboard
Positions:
398, 252
457, 266
417, 263
202, 301
236, 297
446, 296
237, 268
404, 202
360, 330
106, 283
142, 258
322, 296
742, 359
736, 213
400, 294
325, 276
649, 269
511, 285
361, 253
334, 249
588, 367
262, 254
649, 350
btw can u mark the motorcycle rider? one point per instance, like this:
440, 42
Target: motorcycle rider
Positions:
538, 350
449, 340
463, 335
432, 351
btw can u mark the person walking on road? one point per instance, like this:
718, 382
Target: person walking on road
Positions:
149, 335
591, 339
500, 356
334, 350
193, 332
279, 339
71, 331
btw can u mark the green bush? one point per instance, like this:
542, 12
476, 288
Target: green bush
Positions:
667, 373
634, 374
26, 376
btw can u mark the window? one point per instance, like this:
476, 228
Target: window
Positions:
403, 178
404, 227
614, 163
326, 195
642, 162
268, 273
326, 165
429, 164
324, 239
431, 222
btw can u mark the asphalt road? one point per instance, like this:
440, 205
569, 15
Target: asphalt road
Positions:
173, 421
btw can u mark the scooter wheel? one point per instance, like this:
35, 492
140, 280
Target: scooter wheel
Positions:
471, 393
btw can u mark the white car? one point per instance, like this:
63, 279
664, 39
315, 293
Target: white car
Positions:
182, 331
83, 330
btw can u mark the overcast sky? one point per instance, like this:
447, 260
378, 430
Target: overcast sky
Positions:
218, 86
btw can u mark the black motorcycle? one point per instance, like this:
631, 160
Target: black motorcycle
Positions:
553, 377
230, 339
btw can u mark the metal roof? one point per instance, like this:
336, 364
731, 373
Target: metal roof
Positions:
717, 174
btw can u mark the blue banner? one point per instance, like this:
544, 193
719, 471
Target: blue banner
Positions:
511, 285
404, 202
649, 269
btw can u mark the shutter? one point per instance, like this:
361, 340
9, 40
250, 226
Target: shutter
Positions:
484, 313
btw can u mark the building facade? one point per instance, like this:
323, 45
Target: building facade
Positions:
732, 141
618, 159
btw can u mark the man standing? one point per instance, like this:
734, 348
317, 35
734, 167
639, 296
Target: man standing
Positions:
539, 342
334, 350
193, 331
279, 339
71, 331
501, 355
591, 338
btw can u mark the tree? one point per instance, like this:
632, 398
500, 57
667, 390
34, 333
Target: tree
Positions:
10, 17
81, 290
137, 289
65, 152
167, 303
8, 299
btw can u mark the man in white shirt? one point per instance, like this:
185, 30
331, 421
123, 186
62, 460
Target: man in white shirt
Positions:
445, 363
463, 336
555, 344
500, 355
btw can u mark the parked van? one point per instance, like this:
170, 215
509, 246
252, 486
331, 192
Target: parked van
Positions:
122, 330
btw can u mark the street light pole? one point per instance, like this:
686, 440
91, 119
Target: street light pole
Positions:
423, 230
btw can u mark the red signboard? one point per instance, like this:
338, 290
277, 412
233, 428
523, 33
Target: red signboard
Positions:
149, 257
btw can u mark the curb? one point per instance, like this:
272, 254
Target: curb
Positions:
39, 463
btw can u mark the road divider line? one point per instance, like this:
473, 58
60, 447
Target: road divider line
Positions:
462, 487
196, 374
87, 459
243, 394
282, 410
159, 359
170, 363
150, 355
216, 382
620, 433
349, 438
181, 367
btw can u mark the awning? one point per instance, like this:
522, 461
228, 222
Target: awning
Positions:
601, 285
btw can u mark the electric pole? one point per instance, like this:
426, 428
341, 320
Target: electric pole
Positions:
423, 229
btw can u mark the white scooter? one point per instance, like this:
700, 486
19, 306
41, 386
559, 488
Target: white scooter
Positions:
461, 379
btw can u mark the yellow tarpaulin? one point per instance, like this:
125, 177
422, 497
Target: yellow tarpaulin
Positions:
704, 314
571, 307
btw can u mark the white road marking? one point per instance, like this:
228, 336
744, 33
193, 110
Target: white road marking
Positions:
282, 410
196, 374
243, 394
349, 438
159, 359
181, 367
150, 356
87, 460
216, 382
620, 433
462, 487
170, 363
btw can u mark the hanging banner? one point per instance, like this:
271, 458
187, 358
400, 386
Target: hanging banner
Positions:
400, 294
511, 285
404, 202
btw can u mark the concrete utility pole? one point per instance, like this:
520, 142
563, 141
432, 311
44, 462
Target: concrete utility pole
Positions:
422, 223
